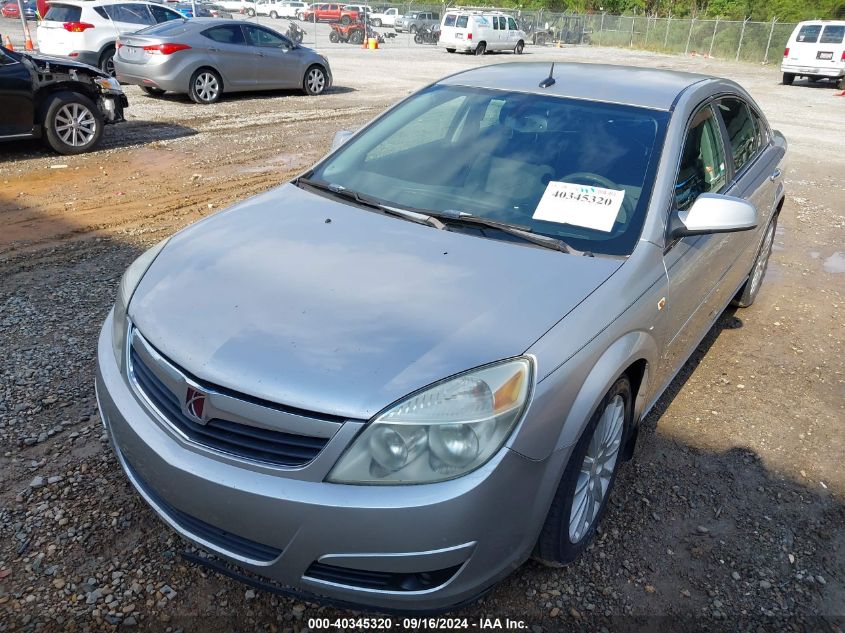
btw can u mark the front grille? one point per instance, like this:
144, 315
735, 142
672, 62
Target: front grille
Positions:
273, 447
221, 539
381, 580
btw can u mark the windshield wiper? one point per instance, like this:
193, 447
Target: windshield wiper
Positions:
354, 196
522, 232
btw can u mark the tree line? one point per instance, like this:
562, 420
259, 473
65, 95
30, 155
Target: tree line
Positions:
760, 10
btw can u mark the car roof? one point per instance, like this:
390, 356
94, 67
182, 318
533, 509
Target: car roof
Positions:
628, 85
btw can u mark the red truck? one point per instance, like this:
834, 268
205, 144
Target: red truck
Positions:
329, 13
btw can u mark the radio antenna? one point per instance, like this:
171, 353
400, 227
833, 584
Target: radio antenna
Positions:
550, 80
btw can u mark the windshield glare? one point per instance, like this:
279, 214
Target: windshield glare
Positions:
497, 154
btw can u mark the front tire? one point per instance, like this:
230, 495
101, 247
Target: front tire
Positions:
250, 12
746, 296
480, 49
585, 487
206, 86
418, 38
72, 124
274, 15
788, 78
520, 46
376, 23
315, 81
334, 38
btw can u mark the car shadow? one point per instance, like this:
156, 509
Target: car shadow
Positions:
126, 134
176, 97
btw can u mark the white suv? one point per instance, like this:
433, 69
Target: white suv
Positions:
279, 8
239, 6
86, 30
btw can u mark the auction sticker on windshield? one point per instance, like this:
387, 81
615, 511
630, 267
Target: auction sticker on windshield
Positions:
580, 205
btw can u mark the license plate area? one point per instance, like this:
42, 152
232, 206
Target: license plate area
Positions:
825, 55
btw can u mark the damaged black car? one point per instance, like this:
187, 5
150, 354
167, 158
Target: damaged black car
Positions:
65, 103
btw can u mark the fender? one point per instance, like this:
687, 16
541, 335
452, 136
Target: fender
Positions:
625, 351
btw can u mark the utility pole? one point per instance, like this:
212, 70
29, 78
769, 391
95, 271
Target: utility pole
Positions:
26, 34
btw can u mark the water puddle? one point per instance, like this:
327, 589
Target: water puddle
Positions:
835, 263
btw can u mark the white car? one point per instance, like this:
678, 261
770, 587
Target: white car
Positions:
385, 18
815, 50
239, 6
279, 8
480, 31
86, 30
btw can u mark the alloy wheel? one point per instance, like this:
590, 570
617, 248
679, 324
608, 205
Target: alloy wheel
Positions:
75, 125
762, 259
315, 80
597, 469
207, 86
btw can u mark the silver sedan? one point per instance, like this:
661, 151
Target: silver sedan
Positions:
394, 379
206, 57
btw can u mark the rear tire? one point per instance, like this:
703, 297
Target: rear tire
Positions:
376, 22
315, 81
106, 62
788, 78
334, 38
72, 124
345, 20
357, 37
418, 38
748, 293
450, 50
153, 92
274, 15
520, 46
250, 12
481, 48
206, 86
565, 533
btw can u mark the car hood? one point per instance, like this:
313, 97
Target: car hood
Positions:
45, 62
306, 301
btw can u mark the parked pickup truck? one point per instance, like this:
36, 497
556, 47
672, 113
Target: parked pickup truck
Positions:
386, 18
329, 13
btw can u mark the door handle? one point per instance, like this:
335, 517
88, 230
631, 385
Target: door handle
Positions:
214, 50
775, 175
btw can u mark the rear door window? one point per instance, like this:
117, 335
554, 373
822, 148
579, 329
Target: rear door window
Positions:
229, 34
461, 22
162, 14
809, 33
833, 34
131, 14
64, 13
450, 20
511, 24
742, 133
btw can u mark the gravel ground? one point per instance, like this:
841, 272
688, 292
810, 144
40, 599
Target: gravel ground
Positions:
730, 517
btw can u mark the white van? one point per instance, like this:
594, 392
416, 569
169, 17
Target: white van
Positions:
815, 50
480, 31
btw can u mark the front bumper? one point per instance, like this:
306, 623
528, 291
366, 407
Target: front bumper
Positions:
805, 71
481, 526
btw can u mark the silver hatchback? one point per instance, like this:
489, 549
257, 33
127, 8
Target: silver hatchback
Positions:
205, 57
392, 380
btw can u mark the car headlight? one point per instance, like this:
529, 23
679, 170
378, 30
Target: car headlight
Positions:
130, 280
442, 432
108, 84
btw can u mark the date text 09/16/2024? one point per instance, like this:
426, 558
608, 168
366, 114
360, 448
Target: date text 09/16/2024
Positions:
444, 623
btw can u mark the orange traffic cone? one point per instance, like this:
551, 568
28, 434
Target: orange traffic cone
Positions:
8, 43
28, 45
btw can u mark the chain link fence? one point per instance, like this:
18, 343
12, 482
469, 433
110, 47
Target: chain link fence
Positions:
726, 39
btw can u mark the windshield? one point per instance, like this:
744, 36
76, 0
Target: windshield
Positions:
575, 170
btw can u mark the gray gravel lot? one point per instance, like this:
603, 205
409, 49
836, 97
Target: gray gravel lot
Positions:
730, 518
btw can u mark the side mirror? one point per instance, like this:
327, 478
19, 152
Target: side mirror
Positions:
340, 138
713, 213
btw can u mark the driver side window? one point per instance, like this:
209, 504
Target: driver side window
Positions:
702, 168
